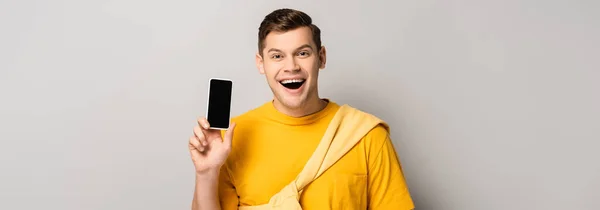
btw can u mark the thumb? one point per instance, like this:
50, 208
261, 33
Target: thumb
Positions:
229, 135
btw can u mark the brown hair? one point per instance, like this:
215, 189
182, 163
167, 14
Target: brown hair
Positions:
283, 20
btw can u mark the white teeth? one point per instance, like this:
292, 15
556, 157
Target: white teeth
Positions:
287, 81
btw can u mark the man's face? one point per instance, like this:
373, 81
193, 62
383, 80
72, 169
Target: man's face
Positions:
291, 64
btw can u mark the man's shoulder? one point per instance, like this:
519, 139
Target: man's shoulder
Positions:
250, 115
380, 128
245, 120
378, 134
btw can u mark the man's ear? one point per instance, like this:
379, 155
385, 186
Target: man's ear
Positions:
322, 57
260, 64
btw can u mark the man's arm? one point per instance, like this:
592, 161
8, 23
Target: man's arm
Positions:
206, 191
387, 186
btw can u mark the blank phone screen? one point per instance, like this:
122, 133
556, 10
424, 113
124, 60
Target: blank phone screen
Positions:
219, 103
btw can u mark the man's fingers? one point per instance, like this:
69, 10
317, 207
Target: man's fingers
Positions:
205, 128
195, 142
202, 122
200, 135
229, 135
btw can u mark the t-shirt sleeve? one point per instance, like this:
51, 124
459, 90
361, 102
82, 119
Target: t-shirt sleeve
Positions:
387, 188
227, 195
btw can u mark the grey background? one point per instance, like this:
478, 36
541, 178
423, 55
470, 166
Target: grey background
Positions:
492, 104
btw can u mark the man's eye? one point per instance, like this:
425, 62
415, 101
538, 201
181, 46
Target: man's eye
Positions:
303, 53
276, 56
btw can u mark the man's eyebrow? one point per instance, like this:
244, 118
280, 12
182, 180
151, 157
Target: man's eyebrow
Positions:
299, 48
274, 50
305, 46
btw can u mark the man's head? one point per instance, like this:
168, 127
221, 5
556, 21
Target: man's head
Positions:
290, 56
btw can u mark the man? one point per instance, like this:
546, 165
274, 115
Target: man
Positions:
272, 143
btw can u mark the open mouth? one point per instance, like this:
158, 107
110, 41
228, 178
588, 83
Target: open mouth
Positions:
292, 83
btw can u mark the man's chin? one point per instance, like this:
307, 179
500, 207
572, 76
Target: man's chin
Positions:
293, 102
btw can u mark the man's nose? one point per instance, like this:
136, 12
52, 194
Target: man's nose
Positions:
291, 65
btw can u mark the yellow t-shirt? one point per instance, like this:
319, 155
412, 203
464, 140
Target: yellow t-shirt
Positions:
269, 149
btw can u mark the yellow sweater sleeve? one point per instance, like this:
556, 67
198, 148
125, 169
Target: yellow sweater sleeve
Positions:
387, 188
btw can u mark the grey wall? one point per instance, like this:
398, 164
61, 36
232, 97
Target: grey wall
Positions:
493, 105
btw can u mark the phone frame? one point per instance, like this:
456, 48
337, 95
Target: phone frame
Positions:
208, 102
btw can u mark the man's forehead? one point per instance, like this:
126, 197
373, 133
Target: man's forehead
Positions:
289, 40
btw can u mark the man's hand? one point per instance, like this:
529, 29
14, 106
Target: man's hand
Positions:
208, 150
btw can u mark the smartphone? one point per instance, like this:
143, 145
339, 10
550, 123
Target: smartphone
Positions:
218, 109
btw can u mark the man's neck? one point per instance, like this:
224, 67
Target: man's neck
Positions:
311, 107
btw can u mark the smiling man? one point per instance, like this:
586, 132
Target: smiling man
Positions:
276, 155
